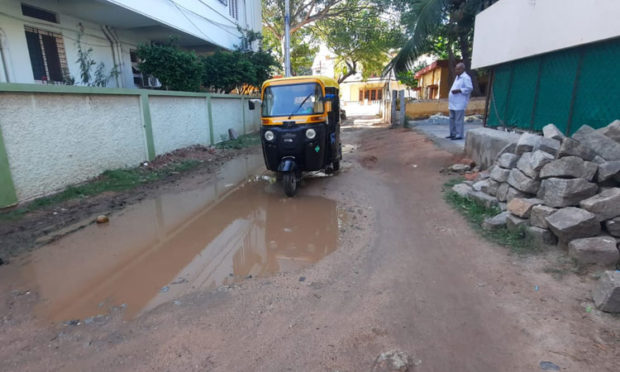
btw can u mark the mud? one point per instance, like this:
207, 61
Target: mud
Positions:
236, 227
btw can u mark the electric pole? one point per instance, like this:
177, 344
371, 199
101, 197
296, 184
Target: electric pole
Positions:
287, 38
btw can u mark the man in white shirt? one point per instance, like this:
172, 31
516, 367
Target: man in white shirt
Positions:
457, 102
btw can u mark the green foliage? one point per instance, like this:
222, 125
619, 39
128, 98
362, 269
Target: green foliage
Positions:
408, 77
303, 50
176, 69
360, 40
225, 71
86, 63
475, 213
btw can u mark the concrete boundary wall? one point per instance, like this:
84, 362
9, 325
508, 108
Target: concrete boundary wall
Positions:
424, 108
52, 137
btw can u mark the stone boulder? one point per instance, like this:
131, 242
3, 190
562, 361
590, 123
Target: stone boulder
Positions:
548, 145
484, 199
522, 207
573, 223
502, 192
540, 236
515, 224
600, 251
490, 187
613, 226
484, 144
603, 145
560, 192
527, 143
514, 193
538, 214
462, 190
609, 170
569, 167
604, 205
499, 174
606, 294
507, 160
495, 222
571, 147
552, 132
478, 185
531, 162
612, 131
523, 183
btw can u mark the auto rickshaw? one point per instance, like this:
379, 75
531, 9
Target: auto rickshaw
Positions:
300, 129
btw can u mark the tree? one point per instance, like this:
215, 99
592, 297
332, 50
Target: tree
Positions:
302, 14
302, 51
447, 25
360, 41
176, 69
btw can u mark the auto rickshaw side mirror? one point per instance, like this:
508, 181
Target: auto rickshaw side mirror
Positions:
253, 102
328, 106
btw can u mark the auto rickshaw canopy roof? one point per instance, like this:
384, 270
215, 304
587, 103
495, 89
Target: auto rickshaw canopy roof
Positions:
324, 80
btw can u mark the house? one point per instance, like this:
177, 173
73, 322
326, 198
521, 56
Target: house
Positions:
39, 39
434, 81
551, 61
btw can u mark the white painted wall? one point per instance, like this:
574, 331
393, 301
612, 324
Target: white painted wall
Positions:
513, 29
53, 141
57, 140
179, 122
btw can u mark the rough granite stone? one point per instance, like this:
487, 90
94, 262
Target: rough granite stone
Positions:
573, 223
612, 130
514, 193
552, 132
541, 236
613, 227
507, 160
569, 167
462, 190
477, 186
600, 143
608, 170
549, 145
499, 174
531, 162
495, 222
514, 223
538, 214
523, 183
484, 199
572, 147
502, 192
527, 143
491, 187
605, 205
606, 294
601, 251
561, 192
522, 207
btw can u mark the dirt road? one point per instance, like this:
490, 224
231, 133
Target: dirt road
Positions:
403, 271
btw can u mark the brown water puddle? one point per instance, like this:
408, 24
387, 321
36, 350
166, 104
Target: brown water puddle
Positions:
163, 248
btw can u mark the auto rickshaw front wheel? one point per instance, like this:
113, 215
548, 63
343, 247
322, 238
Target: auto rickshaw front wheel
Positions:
289, 181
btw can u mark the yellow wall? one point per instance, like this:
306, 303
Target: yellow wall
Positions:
421, 109
439, 77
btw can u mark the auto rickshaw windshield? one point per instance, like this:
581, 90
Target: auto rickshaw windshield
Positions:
290, 100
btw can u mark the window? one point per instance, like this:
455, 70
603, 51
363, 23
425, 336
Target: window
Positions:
379, 94
233, 9
290, 100
33, 12
47, 55
373, 95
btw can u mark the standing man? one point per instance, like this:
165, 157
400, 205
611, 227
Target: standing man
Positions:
457, 102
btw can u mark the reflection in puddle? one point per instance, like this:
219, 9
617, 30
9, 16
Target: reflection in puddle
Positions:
163, 248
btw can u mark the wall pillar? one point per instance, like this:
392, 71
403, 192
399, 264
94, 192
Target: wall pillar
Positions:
148, 127
8, 196
210, 116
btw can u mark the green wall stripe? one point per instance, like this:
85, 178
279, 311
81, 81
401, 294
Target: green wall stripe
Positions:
8, 196
210, 110
148, 126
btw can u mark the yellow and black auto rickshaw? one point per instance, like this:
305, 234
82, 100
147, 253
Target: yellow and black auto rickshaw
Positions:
300, 129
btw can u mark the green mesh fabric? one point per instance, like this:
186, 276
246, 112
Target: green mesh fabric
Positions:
532, 92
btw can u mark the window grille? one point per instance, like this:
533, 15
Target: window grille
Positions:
233, 9
47, 55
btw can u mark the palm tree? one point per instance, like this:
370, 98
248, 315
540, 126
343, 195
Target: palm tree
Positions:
430, 20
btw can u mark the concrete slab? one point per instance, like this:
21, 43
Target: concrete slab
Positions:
437, 128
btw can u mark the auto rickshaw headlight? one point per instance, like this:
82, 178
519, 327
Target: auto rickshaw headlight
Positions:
269, 136
310, 133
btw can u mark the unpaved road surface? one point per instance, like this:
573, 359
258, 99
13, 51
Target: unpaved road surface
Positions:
360, 263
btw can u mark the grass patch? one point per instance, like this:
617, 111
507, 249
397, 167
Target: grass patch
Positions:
247, 140
111, 180
475, 213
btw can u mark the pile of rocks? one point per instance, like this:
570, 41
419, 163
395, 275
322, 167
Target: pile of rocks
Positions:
559, 190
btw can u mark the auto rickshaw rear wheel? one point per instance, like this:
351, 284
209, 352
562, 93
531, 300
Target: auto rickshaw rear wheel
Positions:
289, 181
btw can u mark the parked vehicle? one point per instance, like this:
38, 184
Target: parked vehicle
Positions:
300, 129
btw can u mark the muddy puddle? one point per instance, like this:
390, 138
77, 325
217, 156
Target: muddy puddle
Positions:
164, 248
